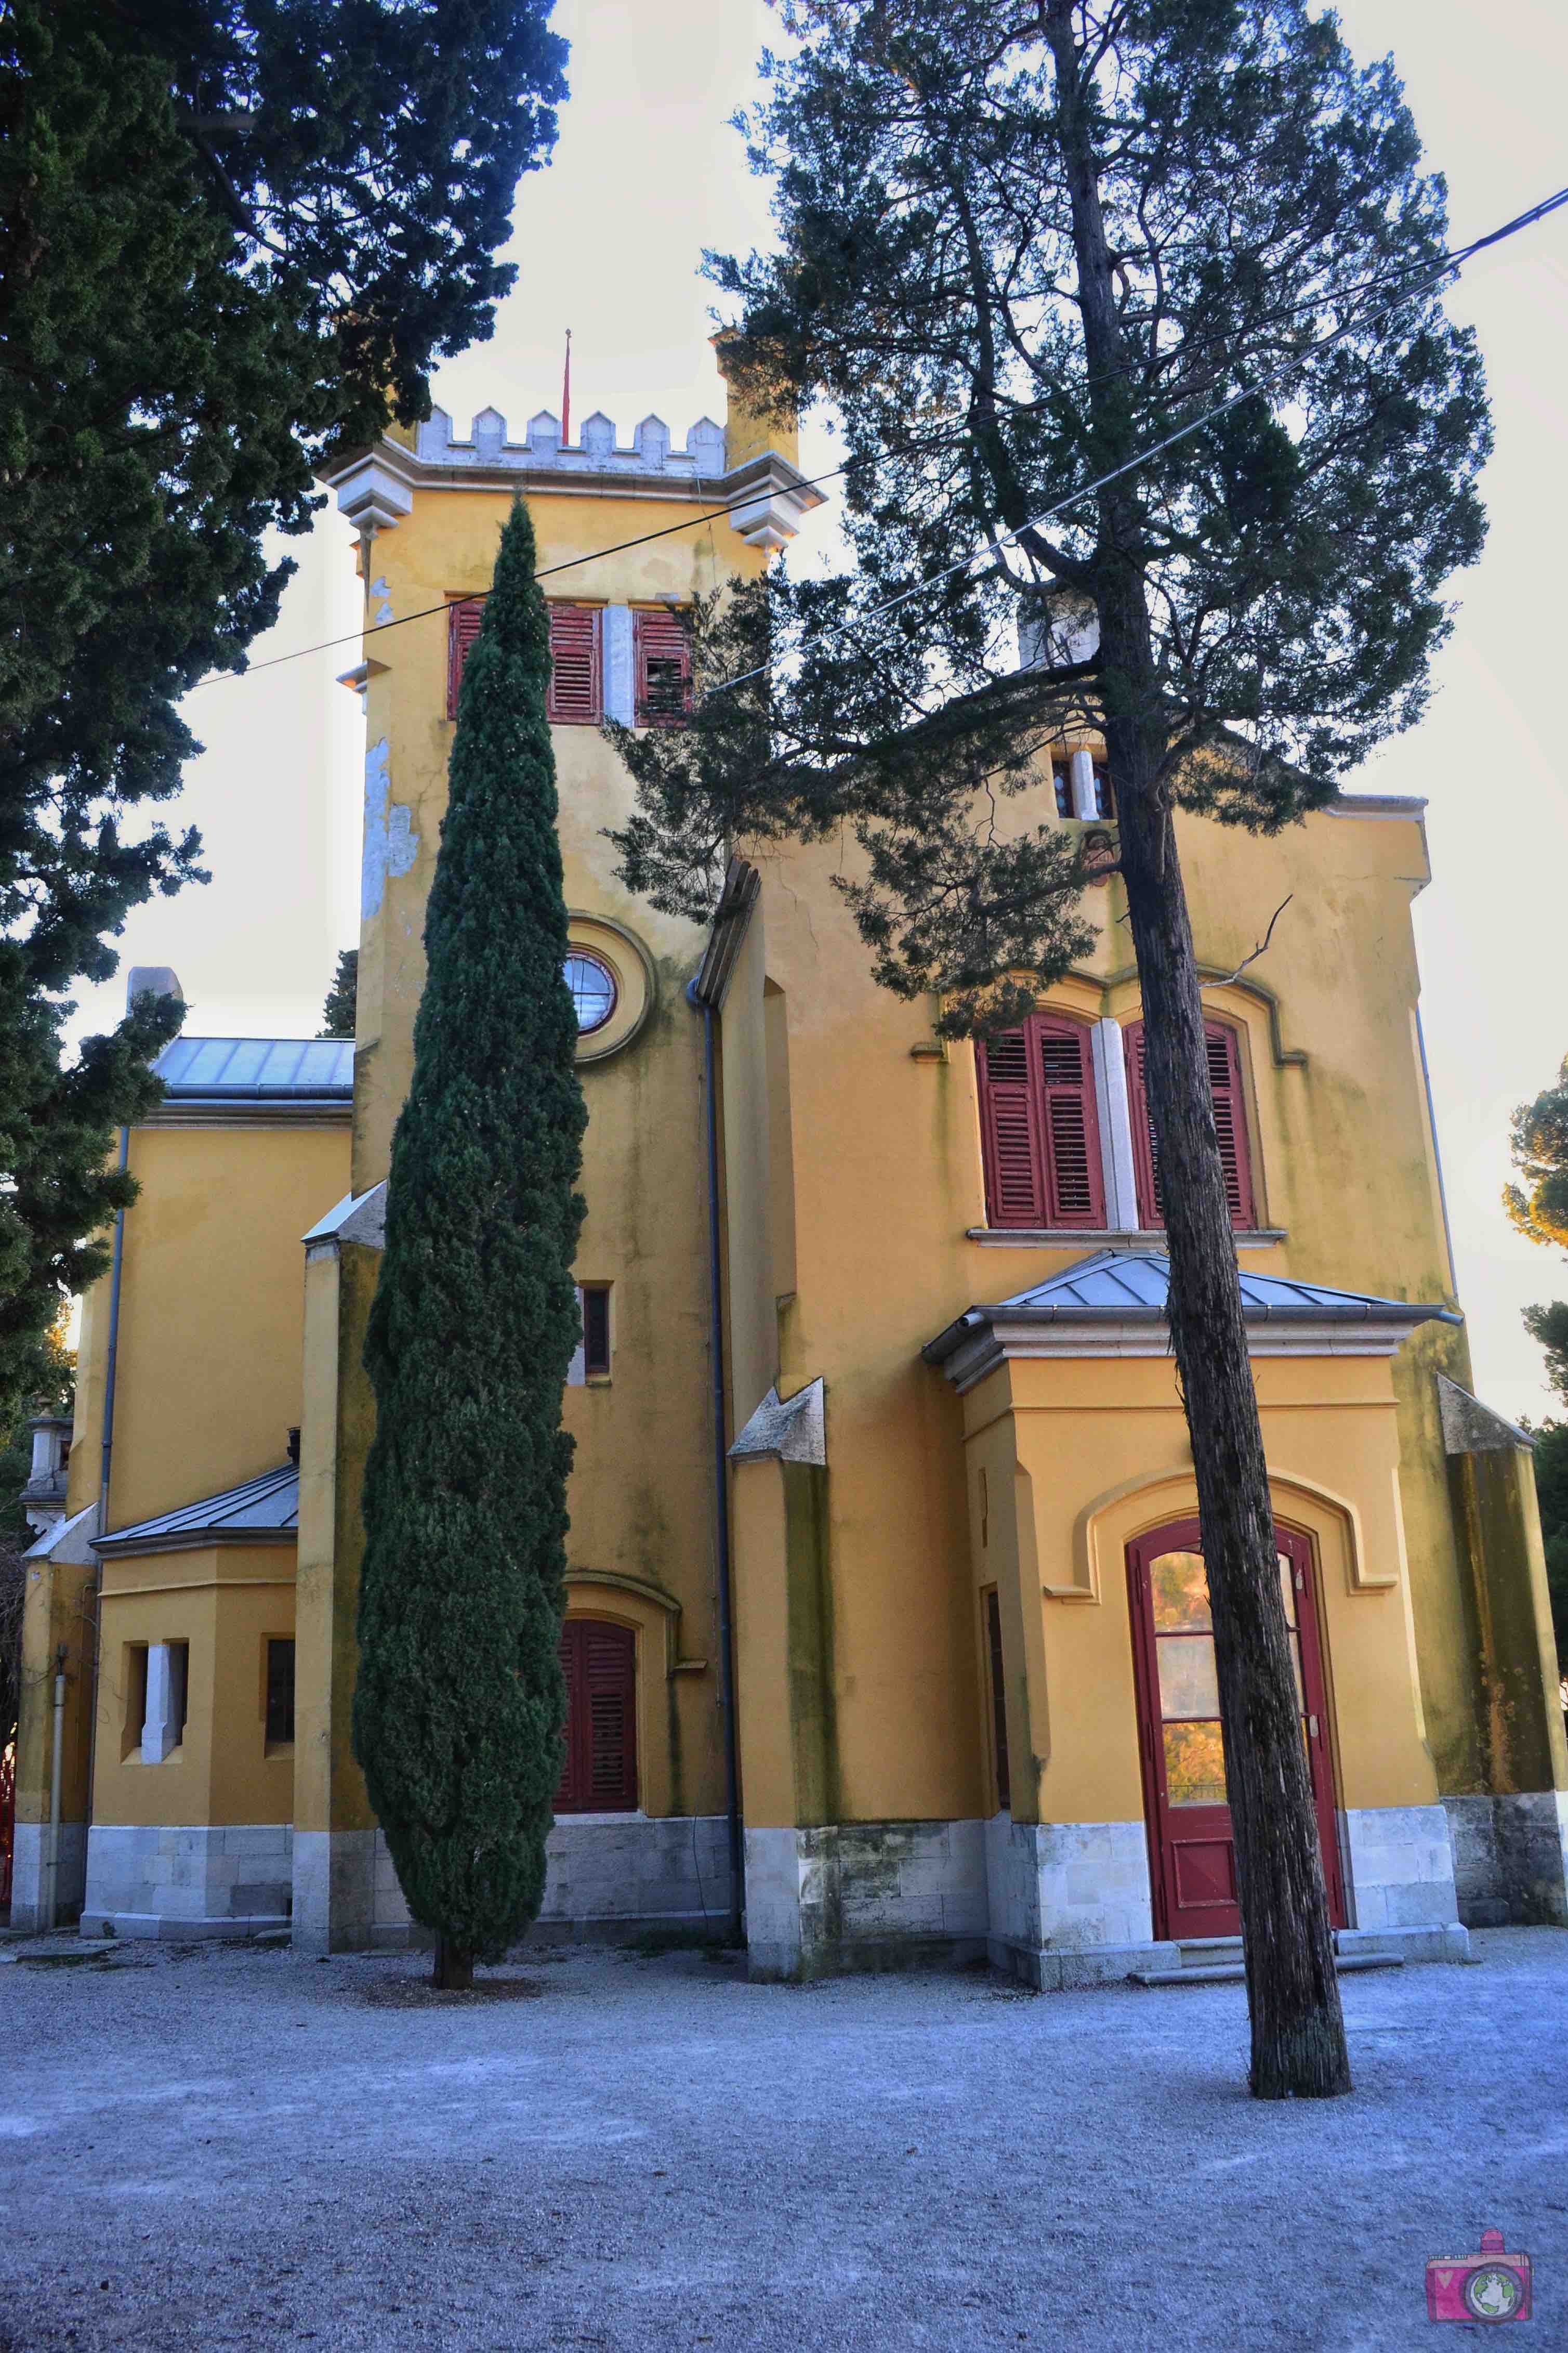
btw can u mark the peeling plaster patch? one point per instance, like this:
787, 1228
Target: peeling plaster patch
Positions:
391, 844
381, 596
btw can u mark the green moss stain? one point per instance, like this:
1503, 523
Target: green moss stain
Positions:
1491, 1506
814, 1725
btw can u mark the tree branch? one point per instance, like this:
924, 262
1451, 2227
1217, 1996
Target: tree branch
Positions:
1257, 951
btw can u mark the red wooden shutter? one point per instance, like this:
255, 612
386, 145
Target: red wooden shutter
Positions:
599, 1662
462, 627
574, 699
998, 1700
1145, 1143
1230, 1121
1039, 1127
1075, 1182
663, 667
1010, 1143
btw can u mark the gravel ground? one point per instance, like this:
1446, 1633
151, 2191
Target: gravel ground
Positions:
222, 2148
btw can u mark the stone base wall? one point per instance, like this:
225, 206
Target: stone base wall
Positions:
608, 1874
1400, 1867
1057, 1904
230, 1880
864, 1895
1511, 1858
30, 1874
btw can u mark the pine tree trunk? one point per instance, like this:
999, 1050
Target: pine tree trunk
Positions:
1298, 2030
454, 1968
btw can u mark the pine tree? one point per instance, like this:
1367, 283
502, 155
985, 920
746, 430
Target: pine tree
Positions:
459, 1703
1022, 244
340, 1010
1539, 1209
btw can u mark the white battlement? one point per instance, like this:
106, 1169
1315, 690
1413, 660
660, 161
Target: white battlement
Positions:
765, 496
648, 451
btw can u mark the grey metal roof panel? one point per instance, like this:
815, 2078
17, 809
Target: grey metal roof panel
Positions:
1133, 1287
262, 1507
257, 1070
1117, 1282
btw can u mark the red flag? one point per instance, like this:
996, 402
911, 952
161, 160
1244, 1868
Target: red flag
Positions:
566, 395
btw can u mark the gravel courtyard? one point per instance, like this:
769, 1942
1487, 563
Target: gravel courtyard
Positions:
230, 2147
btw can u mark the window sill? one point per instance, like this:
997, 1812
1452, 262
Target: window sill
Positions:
598, 1380
1104, 1237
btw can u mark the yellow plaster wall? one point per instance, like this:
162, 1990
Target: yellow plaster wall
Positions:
208, 1385
58, 1614
888, 1177
225, 1601
1102, 1448
641, 1493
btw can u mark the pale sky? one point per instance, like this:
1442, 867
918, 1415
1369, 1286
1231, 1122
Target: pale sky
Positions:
608, 238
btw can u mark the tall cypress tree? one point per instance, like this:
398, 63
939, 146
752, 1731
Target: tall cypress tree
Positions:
460, 1700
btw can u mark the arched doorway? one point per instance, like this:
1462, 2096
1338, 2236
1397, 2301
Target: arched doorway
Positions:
1192, 1854
599, 1661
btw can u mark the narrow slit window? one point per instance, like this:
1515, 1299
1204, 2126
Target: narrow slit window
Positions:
179, 1687
279, 1693
596, 1330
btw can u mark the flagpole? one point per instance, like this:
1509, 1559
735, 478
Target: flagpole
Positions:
566, 395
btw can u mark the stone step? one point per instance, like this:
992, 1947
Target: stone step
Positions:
1233, 1973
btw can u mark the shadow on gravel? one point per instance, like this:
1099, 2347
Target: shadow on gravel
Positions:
418, 1993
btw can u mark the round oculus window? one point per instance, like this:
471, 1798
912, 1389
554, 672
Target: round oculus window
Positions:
593, 986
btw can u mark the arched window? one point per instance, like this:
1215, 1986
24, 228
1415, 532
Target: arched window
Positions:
1230, 1120
599, 1661
1039, 1126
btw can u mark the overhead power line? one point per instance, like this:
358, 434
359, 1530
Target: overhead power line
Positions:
1429, 276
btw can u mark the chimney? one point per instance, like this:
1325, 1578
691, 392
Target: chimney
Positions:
294, 1448
152, 980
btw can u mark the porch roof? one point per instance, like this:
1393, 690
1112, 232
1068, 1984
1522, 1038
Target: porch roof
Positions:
260, 1511
1117, 1301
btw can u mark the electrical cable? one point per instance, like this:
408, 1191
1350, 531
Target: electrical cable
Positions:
1430, 277
572, 562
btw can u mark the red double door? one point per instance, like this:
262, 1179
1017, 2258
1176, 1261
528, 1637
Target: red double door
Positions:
1191, 1850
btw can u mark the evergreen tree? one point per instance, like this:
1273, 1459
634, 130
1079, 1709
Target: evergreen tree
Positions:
1539, 1208
1538, 1144
52, 1389
230, 233
1021, 244
459, 1703
340, 1010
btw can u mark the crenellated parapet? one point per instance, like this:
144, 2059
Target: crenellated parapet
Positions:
766, 494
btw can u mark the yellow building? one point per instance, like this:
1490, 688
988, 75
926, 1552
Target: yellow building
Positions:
922, 1432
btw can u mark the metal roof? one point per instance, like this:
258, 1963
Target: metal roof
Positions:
257, 1070
1133, 1287
261, 1508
